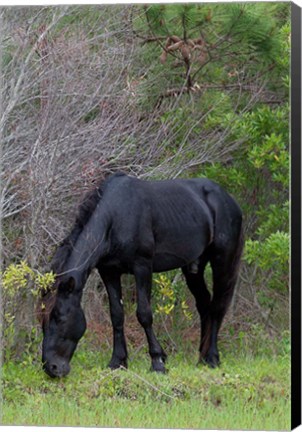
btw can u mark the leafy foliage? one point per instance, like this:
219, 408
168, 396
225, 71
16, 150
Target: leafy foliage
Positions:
258, 176
226, 36
18, 276
168, 295
271, 257
20, 283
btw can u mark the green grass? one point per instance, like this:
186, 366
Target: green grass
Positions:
244, 393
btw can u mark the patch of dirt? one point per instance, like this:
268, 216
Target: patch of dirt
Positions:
102, 334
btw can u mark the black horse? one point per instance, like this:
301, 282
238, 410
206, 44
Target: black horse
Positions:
127, 225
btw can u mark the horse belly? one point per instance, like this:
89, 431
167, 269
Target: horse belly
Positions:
166, 262
175, 251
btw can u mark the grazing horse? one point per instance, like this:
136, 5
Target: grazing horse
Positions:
128, 225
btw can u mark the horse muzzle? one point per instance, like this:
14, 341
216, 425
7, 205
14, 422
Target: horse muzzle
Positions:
56, 368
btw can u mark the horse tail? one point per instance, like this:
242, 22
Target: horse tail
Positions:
223, 295
235, 265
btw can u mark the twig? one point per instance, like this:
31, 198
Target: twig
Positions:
148, 383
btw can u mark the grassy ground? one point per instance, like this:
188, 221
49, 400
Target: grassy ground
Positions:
244, 393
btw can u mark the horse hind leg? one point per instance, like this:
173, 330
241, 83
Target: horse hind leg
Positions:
197, 285
225, 270
223, 289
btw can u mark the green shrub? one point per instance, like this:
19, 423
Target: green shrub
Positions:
21, 287
170, 296
271, 257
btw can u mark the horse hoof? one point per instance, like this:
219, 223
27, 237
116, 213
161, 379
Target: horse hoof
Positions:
211, 360
158, 365
117, 365
158, 370
213, 364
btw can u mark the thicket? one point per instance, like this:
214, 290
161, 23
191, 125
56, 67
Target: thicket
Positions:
158, 91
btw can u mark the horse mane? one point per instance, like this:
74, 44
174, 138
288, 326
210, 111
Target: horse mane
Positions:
47, 301
85, 211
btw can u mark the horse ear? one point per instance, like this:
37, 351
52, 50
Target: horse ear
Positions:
70, 286
67, 286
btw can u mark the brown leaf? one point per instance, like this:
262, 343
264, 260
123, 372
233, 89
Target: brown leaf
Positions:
185, 52
202, 57
198, 43
209, 16
175, 39
163, 57
175, 46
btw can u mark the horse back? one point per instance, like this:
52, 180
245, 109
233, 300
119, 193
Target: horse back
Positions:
170, 222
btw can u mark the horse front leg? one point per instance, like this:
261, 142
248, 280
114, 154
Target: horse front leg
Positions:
113, 286
143, 278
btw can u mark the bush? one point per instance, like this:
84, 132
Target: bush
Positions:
271, 258
21, 286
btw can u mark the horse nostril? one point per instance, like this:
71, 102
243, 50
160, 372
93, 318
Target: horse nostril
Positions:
56, 368
53, 367
59, 369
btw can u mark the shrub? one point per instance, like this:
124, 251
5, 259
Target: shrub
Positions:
21, 286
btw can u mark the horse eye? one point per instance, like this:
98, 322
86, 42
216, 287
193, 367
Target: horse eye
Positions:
58, 318
63, 320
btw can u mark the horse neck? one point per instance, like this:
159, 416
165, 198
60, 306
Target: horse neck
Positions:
88, 248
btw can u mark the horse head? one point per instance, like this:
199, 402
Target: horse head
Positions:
63, 327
